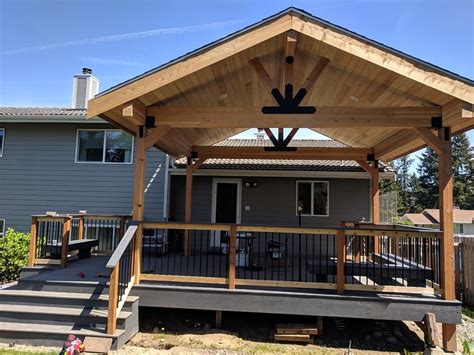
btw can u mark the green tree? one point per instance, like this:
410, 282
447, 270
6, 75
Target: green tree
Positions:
463, 188
403, 180
426, 192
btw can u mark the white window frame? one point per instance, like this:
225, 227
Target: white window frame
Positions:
3, 142
105, 130
312, 198
2, 231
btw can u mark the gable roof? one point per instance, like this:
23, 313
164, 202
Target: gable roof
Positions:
431, 216
361, 74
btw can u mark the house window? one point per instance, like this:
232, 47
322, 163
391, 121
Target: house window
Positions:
2, 227
2, 140
104, 146
313, 198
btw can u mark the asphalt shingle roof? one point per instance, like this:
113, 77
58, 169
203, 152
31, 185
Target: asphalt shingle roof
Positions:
41, 111
281, 164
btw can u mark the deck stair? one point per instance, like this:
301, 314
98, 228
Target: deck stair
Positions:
298, 333
46, 318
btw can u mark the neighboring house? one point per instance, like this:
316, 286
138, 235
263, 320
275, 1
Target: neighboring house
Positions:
463, 220
53, 159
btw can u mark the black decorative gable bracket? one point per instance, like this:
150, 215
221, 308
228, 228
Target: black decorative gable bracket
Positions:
288, 104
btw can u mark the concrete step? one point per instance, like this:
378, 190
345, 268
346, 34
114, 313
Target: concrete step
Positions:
50, 334
46, 314
70, 299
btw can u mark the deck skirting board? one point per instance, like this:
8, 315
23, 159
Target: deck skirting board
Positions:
366, 305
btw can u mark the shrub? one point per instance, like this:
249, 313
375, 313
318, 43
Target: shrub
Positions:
14, 250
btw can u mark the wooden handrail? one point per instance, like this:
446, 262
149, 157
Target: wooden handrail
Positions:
118, 252
374, 230
114, 264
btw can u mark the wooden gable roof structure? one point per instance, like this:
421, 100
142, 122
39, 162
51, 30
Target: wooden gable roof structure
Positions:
293, 70
218, 91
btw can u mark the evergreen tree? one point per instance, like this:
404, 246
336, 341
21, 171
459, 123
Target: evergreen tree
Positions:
403, 179
463, 188
426, 193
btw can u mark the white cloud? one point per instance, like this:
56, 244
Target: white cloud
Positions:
104, 61
121, 37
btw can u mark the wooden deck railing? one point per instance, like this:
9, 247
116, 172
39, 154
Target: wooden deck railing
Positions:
51, 235
122, 276
374, 258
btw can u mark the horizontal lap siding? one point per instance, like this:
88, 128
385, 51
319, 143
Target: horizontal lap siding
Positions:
273, 202
38, 173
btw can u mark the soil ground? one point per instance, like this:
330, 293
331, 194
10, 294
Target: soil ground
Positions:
167, 331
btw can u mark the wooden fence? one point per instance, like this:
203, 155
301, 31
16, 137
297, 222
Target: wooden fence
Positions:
464, 261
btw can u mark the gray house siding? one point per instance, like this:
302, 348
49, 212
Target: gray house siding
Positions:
38, 173
273, 202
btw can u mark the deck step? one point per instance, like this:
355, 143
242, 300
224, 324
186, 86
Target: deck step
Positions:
48, 317
17, 296
47, 334
58, 314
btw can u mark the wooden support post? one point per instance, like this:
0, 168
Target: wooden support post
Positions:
139, 199
430, 330
232, 252
80, 235
218, 319
446, 225
341, 257
188, 205
65, 241
113, 299
33, 237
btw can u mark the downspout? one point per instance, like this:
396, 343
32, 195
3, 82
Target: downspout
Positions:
166, 188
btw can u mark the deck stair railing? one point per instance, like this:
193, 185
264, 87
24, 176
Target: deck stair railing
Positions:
122, 275
51, 235
380, 258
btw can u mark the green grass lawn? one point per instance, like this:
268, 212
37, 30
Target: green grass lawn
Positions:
468, 311
21, 352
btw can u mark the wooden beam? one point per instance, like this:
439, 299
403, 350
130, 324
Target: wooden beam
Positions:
430, 139
154, 135
315, 73
385, 58
304, 153
262, 74
324, 117
139, 199
180, 69
446, 225
135, 112
290, 51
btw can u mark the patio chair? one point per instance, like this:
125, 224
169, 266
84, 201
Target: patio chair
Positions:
277, 252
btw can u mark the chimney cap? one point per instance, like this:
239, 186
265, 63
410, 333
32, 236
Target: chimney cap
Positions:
86, 71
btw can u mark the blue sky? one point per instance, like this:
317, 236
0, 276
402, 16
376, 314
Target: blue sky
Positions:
43, 43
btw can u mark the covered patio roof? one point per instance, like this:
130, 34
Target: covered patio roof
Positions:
370, 97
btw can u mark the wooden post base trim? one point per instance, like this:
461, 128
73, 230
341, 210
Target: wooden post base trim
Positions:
449, 337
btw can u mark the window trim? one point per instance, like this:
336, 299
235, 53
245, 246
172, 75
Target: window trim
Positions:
105, 130
2, 232
312, 198
3, 142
